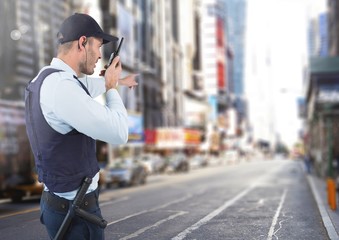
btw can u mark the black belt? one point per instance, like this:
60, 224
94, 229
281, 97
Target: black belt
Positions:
62, 205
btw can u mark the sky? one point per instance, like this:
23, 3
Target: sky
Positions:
276, 57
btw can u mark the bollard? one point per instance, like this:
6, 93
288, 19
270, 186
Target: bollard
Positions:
331, 194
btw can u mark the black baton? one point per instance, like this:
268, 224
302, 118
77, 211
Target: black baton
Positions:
74, 208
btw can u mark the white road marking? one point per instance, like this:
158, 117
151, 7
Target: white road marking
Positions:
152, 209
142, 230
275, 218
114, 201
7, 200
210, 216
127, 217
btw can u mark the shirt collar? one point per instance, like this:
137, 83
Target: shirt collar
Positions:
59, 64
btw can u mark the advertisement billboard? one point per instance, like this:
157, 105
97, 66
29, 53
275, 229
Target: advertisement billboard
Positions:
135, 128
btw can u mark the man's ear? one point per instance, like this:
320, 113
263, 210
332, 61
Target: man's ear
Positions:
84, 41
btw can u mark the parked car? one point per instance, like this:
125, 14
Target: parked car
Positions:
198, 160
125, 172
178, 162
153, 162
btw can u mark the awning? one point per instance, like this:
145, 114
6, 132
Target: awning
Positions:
323, 85
324, 65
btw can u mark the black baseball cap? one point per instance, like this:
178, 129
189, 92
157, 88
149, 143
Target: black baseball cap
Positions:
80, 24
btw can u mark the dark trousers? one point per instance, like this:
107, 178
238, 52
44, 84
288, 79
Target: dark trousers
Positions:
79, 228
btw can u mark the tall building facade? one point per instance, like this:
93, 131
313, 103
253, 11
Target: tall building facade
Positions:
318, 41
29, 37
212, 47
172, 63
208, 30
333, 23
139, 22
236, 33
194, 98
320, 128
179, 65
236, 14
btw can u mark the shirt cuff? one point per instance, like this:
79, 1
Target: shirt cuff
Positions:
111, 94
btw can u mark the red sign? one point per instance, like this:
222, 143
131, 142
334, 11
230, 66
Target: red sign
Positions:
150, 136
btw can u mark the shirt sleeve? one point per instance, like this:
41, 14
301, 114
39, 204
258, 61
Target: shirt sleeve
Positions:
107, 123
95, 86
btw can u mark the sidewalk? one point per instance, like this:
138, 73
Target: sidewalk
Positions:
330, 218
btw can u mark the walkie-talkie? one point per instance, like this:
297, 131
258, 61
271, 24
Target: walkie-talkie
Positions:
115, 53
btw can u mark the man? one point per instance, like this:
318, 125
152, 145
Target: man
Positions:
63, 121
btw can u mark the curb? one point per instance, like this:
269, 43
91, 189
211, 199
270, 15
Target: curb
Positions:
332, 233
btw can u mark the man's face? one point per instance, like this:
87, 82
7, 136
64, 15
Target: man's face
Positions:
92, 55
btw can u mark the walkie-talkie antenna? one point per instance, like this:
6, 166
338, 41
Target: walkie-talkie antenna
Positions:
115, 53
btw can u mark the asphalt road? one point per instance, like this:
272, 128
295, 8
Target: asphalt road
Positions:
258, 200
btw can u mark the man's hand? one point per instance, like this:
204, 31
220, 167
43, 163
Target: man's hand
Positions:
129, 81
112, 74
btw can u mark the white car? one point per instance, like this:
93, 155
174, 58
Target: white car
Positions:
125, 172
153, 162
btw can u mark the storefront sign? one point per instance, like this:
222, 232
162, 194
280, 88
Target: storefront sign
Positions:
192, 137
328, 94
170, 138
150, 136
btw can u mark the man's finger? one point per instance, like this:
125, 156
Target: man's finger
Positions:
102, 73
116, 60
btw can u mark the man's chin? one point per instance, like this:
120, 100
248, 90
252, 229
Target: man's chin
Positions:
89, 72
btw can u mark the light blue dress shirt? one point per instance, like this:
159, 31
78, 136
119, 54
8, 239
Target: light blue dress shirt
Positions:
66, 106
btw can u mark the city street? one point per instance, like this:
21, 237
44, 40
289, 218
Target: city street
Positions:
252, 200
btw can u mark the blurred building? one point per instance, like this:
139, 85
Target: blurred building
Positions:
28, 41
236, 33
172, 60
125, 19
318, 40
195, 106
209, 10
333, 23
178, 48
151, 29
322, 93
213, 49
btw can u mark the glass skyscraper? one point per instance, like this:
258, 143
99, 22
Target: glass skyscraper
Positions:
236, 27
